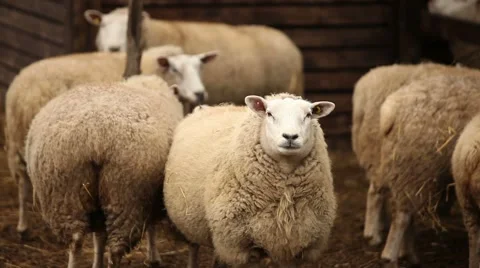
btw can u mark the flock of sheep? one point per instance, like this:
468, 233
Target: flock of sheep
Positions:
115, 156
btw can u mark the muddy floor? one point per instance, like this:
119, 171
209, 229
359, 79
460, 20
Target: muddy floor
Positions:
347, 247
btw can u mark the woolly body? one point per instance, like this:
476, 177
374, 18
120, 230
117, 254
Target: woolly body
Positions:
419, 125
222, 190
258, 59
101, 149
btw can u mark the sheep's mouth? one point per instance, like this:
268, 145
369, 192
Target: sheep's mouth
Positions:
290, 146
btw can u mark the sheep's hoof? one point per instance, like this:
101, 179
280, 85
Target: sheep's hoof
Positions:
155, 264
24, 235
375, 241
389, 264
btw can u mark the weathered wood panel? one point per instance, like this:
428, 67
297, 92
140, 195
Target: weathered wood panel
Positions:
33, 25
332, 81
14, 59
6, 73
340, 37
291, 15
26, 43
347, 58
41, 8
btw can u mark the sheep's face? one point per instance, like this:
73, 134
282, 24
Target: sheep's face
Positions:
112, 32
288, 126
185, 71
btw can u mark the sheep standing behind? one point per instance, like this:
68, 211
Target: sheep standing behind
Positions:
96, 158
262, 60
370, 92
465, 164
253, 182
420, 124
41, 81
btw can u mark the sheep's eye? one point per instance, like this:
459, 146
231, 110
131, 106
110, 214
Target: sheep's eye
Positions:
308, 115
269, 114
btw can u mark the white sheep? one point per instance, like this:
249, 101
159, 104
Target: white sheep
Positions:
41, 81
419, 125
96, 157
465, 163
370, 92
253, 182
261, 60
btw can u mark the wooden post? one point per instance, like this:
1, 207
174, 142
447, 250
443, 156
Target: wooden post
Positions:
134, 38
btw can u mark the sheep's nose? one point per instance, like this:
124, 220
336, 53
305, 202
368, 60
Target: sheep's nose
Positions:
200, 97
291, 137
114, 49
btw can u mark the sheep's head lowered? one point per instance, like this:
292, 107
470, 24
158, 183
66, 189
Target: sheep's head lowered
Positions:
112, 32
288, 124
185, 71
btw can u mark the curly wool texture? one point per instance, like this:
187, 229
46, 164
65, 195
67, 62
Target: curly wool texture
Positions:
103, 148
420, 124
370, 92
465, 169
42, 81
222, 190
255, 59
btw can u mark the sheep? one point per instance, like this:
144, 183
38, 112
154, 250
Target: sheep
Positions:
419, 125
369, 93
465, 160
262, 60
96, 156
40, 82
464, 10
253, 181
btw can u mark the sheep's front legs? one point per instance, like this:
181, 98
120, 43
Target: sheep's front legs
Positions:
374, 216
75, 250
396, 238
192, 255
152, 251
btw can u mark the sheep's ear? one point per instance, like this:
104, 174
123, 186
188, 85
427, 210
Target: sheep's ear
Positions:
163, 61
208, 56
321, 108
256, 104
93, 16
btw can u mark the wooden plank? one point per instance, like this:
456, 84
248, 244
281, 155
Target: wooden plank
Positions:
343, 101
252, 2
279, 15
450, 28
336, 123
24, 42
331, 81
6, 74
340, 37
47, 9
347, 58
68, 25
32, 25
13, 58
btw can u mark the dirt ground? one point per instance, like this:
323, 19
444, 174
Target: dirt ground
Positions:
347, 247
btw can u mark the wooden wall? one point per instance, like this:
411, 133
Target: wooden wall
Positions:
340, 40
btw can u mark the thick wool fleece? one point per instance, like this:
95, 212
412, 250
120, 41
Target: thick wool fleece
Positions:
369, 94
42, 81
255, 59
101, 149
420, 124
221, 189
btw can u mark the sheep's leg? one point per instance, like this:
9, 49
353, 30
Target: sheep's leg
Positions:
99, 242
75, 250
152, 251
193, 255
396, 237
374, 216
408, 246
24, 189
471, 222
